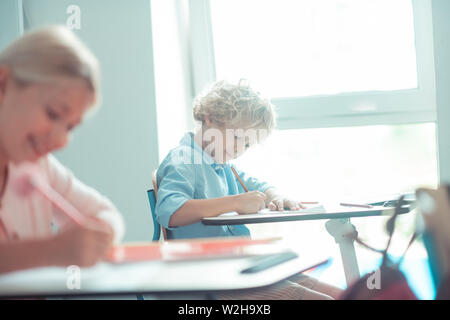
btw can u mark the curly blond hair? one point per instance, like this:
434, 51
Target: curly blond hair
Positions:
235, 106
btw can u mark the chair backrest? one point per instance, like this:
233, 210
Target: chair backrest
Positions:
155, 185
156, 226
152, 193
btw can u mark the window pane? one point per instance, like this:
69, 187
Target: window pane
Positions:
346, 164
310, 47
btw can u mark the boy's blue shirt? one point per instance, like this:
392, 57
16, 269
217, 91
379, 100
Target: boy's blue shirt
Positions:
188, 173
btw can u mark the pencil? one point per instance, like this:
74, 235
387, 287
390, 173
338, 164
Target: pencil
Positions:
246, 190
239, 179
356, 205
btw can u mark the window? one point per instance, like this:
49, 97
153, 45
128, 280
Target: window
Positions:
354, 87
346, 163
315, 47
324, 63
350, 163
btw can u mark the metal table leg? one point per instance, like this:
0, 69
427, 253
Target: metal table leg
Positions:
339, 228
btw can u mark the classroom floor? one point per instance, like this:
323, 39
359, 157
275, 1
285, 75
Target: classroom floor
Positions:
416, 271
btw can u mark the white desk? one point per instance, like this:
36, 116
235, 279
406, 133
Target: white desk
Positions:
338, 225
153, 277
331, 211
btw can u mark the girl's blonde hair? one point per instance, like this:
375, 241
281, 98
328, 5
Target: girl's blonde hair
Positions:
50, 54
236, 106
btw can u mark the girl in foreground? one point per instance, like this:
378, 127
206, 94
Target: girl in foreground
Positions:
48, 81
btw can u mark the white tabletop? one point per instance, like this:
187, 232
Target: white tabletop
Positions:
210, 275
325, 211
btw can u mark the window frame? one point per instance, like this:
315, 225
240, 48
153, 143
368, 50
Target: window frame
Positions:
347, 109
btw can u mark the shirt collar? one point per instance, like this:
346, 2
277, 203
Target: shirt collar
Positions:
188, 140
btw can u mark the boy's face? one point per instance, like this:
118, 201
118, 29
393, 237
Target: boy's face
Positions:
226, 144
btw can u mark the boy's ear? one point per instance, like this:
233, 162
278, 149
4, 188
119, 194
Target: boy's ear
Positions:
207, 121
5, 74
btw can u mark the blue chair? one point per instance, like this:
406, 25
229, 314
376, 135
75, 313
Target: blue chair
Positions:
158, 229
156, 225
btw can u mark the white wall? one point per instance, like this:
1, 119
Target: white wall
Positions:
441, 26
10, 21
172, 72
116, 150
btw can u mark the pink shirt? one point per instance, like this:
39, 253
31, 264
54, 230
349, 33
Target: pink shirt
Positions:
31, 217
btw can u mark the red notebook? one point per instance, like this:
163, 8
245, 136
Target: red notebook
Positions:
191, 249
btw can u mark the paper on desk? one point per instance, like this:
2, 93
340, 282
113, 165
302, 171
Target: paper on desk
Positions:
314, 209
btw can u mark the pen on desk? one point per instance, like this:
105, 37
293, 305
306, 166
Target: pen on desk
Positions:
356, 205
270, 261
239, 179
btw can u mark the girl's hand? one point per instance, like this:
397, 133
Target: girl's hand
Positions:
83, 246
249, 202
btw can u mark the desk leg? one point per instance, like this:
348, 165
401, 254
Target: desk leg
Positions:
339, 228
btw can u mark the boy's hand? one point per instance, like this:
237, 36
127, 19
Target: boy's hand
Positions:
279, 203
249, 202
